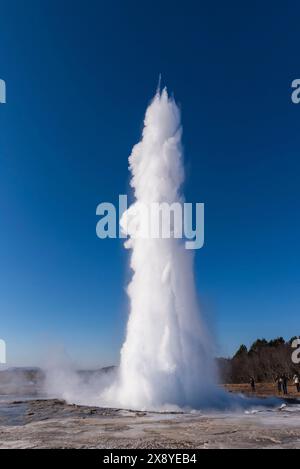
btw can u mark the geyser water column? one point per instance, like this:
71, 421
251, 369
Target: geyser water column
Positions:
166, 358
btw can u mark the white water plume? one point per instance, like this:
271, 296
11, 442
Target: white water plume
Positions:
166, 358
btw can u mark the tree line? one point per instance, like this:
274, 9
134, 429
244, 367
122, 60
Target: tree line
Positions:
264, 361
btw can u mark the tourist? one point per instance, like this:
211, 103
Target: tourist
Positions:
285, 384
252, 383
297, 382
279, 384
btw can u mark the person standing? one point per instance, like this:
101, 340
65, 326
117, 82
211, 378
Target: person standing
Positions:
279, 384
285, 384
252, 384
297, 382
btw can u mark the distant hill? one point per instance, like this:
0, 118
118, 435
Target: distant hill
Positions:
28, 381
21, 381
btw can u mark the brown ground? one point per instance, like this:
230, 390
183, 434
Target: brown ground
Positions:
262, 390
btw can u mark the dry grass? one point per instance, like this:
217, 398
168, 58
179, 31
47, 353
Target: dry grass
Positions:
262, 390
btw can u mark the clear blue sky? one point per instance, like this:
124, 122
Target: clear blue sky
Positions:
79, 77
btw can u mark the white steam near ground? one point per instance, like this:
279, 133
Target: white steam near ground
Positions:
167, 358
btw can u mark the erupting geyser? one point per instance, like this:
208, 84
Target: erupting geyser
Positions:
166, 358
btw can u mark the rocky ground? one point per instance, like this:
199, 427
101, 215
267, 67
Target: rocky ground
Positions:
52, 423
55, 424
